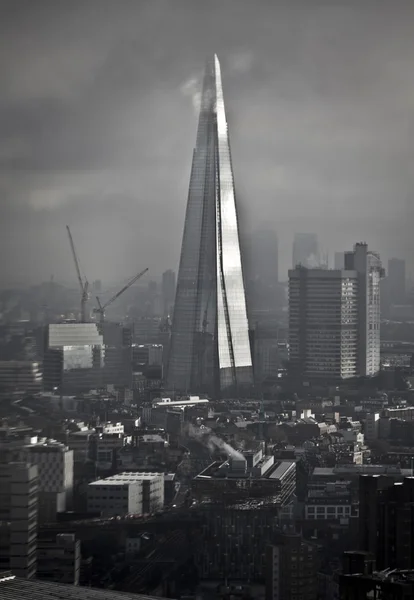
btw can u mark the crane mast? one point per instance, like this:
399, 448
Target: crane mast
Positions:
101, 308
84, 285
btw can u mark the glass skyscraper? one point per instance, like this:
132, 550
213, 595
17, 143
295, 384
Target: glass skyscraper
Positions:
210, 346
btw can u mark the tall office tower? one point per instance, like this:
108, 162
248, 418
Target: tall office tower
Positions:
369, 271
263, 262
168, 291
339, 260
323, 323
334, 319
210, 346
305, 250
18, 518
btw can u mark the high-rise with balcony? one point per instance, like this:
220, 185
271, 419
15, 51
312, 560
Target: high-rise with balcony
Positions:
334, 319
210, 345
370, 272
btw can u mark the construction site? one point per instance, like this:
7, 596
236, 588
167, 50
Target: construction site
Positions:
88, 352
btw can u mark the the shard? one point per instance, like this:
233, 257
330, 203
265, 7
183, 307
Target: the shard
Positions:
210, 346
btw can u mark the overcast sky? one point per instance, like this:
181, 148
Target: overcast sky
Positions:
97, 126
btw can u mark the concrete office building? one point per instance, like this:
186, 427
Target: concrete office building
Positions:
323, 323
59, 559
73, 359
18, 515
241, 478
339, 260
127, 493
334, 319
21, 375
386, 521
54, 462
291, 568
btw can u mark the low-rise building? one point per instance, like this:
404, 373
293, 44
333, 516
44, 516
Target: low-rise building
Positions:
333, 501
246, 476
127, 493
59, 559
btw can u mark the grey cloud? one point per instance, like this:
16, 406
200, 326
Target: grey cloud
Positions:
97, 126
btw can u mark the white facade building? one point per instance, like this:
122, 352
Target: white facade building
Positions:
127, 493
55, 469
370, 272
109, 427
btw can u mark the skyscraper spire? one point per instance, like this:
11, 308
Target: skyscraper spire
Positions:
210, 346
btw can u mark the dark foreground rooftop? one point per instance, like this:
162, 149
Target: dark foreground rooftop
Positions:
12, 588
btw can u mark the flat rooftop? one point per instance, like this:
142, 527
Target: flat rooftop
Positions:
122, 478
193, 402
276, 471
13, 588
361, 470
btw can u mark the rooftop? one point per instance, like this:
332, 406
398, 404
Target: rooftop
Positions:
13, 588
132, 477
398, 576
218, 471
362, 470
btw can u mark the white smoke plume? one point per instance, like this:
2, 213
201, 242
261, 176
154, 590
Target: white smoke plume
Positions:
312, 261
204, 436
191, 88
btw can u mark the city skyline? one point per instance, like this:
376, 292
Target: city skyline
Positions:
96, 130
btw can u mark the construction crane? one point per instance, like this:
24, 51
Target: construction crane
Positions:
83, 283
101, 309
